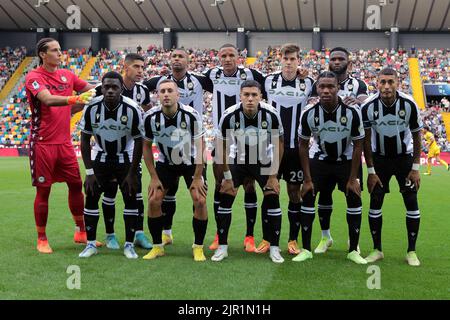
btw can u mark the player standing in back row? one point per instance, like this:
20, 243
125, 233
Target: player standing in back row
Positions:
288, 95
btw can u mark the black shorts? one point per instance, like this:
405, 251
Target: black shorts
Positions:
112, 174
290, 168
243, 172
169, 175
326, 175
398, 167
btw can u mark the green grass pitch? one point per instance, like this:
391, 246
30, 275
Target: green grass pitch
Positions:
26, 274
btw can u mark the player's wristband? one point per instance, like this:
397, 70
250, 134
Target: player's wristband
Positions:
227, 175
89, 172
371, 170
415, 167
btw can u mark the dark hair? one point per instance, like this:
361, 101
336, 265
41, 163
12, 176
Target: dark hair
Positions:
180, 49
340, 49
130, 57
290, 48
327, 74
42, 46
250, 84
228, 45
388, 72
167, 81
427, 128
113, 75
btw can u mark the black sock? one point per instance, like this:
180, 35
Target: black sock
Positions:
224, 218
199, 227
91, 222
155, 225
217, 196
306, 222
251, 207
275, 223
412, 226
354, 227
109, 213
265, 223
168, 209
324, 213
375, 224
140, 217
130, 226
294, 220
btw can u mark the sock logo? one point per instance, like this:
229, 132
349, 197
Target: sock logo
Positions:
221, 230
357, 230
305, 228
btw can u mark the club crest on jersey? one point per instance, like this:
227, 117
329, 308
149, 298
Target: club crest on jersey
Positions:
243, 76
302, 86
138, 96
343, 120
183, 125
264, 124
190, 85
350, 87
35, 85
63, 79
124, 118
401, 113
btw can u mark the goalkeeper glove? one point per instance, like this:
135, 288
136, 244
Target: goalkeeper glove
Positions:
83, 98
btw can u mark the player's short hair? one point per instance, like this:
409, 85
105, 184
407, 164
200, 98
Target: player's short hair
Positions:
113, 75
130, 57
388, 72
228, 45
340, 49
167, 81
290, 48
427, 128
42, 46
327, 74
250, 84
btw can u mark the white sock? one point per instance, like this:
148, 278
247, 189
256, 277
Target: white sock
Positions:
128, 244
168, 232
274, 249
326, 234
92, 243
223, 247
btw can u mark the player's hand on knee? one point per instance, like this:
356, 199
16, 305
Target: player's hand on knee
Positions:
273, 185
307, 187
154, 187
372, 181
227, 187
353, 186
198, 185
414, 179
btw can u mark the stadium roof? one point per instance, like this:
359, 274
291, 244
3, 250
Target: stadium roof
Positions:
200, 15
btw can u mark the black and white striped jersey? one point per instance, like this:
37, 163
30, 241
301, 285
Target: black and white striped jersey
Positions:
289, 98
139, 93
332, 132
190, 88
174, 136
114, 130
251, 139
226, 89
392, 125
349, 87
